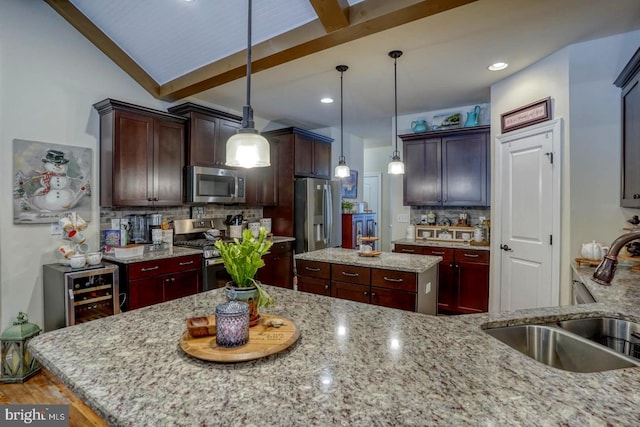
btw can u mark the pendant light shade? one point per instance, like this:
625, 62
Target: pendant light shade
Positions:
247, 148
342, 170
396, 167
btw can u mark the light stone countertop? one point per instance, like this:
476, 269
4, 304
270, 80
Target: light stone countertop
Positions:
354, 365
386, 260
441, 244
171, 252
174, 251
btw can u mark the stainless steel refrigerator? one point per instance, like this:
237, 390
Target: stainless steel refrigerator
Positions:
317, 221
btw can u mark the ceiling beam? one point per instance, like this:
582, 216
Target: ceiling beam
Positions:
332, 13
369, 17
364, 19
81, 23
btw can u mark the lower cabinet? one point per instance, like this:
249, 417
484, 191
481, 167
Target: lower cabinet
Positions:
463, 279
387, 288
314, 277
278, 266
151, 282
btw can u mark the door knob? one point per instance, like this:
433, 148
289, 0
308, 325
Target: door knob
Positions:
506, 248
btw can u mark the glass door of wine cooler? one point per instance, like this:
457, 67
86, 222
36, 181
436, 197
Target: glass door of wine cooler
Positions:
75, 296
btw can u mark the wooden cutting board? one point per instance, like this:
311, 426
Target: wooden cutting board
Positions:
264, 340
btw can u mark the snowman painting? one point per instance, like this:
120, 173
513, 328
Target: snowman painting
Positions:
55, 193
50, 190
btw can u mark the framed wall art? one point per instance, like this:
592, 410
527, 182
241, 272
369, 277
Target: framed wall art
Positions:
349, 185
50, 181
528, 115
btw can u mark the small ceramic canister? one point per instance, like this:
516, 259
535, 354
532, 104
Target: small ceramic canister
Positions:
78, 261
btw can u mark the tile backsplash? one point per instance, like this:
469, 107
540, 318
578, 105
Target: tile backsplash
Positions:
452, 213
177, 212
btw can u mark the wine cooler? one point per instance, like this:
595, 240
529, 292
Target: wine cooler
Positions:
77, 295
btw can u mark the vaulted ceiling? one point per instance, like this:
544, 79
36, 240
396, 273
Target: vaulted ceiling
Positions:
177, 49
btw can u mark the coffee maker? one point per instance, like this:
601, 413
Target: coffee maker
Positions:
154, 221
137, 228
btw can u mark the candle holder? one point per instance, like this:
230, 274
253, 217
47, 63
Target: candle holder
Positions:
232, 324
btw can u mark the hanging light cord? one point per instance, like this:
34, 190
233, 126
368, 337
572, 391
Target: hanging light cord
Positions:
395, 91
341, 160
247, 110
341, 119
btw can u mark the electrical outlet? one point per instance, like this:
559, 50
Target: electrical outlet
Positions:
56, 229
403, 218
427, 288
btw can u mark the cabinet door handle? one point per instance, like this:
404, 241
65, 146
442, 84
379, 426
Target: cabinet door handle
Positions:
408, 250
437, 253
373, 294
150, 268
312, 269
344, 273
326, 286
186, 263
392, 279
365, 293
471, 255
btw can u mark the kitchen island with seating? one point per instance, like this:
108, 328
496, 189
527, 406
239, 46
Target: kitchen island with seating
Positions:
354, 364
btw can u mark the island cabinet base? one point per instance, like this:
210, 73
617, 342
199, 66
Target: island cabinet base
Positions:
388, 288
463, 283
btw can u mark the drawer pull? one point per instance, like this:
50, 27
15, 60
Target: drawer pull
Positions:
392, 279
408, 250
471, 255
312, 268
186, 263
437, 253
326, 286
150, 269
344, 273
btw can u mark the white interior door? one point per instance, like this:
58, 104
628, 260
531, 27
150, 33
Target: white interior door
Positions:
371, 192
530, 212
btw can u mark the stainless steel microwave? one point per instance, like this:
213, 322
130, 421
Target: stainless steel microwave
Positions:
214, 185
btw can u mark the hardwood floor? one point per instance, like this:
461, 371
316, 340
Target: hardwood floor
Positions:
45, 388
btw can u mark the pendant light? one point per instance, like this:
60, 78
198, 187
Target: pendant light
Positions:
396, 167
342, 170
247, 148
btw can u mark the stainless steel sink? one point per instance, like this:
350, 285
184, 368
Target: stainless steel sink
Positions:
561, 349
621, 335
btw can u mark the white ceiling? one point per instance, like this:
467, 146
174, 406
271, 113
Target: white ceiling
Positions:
443, 66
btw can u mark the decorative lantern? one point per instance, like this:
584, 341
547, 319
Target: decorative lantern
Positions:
17, 362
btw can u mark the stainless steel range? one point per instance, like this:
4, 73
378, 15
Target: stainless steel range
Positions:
191, 233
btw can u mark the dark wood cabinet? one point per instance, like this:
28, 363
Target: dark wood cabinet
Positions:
142, 155
262, 183
208, 132
387, 288
278, 266
629, 81
296, 151
355, 227
463, 277
150, 282
447, 168
312, 154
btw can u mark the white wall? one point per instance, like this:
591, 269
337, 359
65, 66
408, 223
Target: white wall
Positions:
579, 80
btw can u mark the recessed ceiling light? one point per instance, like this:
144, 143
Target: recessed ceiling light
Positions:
326, 100
497, 66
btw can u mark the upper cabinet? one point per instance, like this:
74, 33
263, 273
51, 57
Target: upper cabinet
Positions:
447, 168
298, 153
629, 81
207, 133
311, 152
142, 155
262, 183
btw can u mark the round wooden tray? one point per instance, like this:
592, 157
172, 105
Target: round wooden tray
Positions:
372, 253
264, 340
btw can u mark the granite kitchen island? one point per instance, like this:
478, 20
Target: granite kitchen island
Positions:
354, 364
